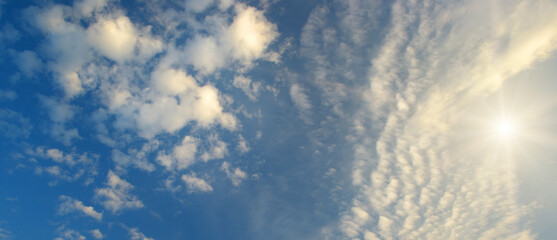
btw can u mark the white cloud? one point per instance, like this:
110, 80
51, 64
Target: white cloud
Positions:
97, 234
245, 40
251, 89
68, 166
135, 157
60, 113
70, 205
242, 146
118, 39
115, 196
421, 186
235, 175
69, 234
182, 156
86, 8
249, 34
217, 149
195, 184
135, 234
301, 101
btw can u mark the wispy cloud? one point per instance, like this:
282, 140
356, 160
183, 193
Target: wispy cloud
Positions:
195, 184
69, 205
116, 195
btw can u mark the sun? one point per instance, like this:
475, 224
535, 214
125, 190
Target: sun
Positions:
505, 128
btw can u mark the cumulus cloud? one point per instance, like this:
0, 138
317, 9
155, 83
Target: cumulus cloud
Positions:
182, 155
69, 234
195, 184
245, 40
135, 234
235, 175
118, 39
96, 233
70, 205
217, 149
115, 196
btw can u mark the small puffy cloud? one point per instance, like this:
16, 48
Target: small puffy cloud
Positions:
70, 205
249, 34
251, 89
118, 39
28, 62
235, 175
182, 156
115, 195
96, 233
114, 38
69, 234
245, 40
195, 184
217, 149
135, 234
242, 146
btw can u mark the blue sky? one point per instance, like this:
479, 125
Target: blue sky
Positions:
228, 119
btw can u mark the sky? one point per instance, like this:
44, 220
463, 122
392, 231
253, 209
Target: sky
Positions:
278, 119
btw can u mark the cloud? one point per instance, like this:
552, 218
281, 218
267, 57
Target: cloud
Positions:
182, 156
217, 149
70, 205
242, 146
115, 196
14, 125
97, 234
251, 89
135, 234
135, 157
420, 185
69, 234
67, 166
235, 175
118, 39
7, 95
28, 62
175, 101
245, 40
195, 184
301, 101
5, 234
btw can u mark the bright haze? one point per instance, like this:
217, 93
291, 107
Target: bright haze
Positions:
278, 119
